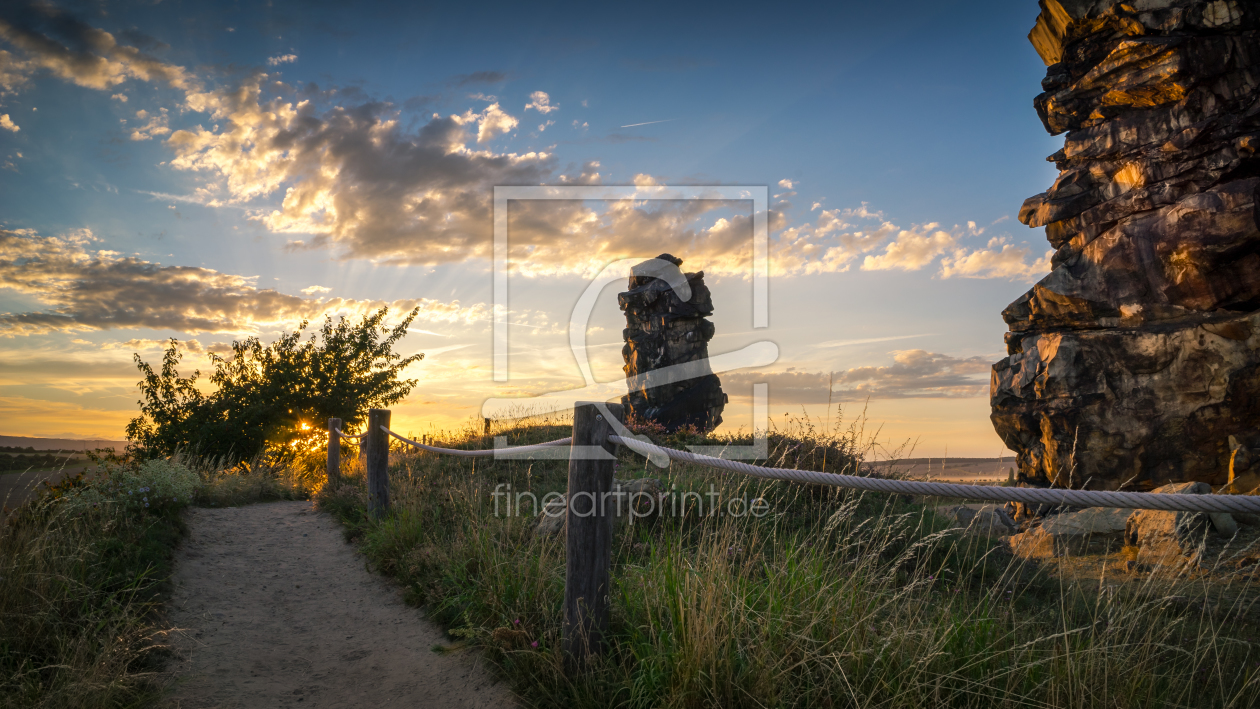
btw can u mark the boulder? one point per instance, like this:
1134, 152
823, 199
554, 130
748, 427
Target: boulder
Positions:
1091, 530
1166, 537
665, 332
638, 499
985, 520
1136, 360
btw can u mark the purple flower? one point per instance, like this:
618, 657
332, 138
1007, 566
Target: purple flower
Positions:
534, 644
517, 621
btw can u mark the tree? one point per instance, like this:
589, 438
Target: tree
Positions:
274, 395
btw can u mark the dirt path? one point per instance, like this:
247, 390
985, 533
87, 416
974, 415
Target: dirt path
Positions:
277, 610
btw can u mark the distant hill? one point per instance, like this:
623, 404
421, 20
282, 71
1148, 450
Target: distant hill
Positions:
49, 444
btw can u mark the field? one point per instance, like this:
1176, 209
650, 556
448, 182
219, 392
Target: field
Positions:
826, 599
830, 599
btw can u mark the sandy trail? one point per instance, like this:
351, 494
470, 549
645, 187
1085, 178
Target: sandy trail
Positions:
277, 610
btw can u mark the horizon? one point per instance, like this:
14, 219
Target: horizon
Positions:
214, 173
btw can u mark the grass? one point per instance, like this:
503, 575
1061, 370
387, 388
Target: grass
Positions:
84, 570
832, 599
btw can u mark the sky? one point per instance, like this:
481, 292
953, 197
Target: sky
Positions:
215, 171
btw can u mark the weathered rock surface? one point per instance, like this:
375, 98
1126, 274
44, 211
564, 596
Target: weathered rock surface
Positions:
985, 520
1094, 529
631, 500
1137, 358
665, 332
1162, 536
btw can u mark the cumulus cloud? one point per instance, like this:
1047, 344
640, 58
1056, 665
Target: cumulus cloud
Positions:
999, 259
120, 97
787, 184
912, 249
281, 59
8, 124
350, 177
541, 102
55, 41
313, 290
156, 125
85, 289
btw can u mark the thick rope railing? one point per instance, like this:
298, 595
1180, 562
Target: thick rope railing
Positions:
346, 435
481, 453
1071, 498
1045, 496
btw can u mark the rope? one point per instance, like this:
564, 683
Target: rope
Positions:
477, 454
346, 435
1072, 498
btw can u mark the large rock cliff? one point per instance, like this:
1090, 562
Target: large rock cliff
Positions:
1136, 361
667, 351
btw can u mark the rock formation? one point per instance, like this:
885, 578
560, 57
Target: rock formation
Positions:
663, 330
1137, 358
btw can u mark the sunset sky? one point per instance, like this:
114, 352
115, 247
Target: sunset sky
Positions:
210, 171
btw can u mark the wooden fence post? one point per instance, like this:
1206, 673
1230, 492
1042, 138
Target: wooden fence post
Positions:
376, 444
485, 431
334, 451
589, 536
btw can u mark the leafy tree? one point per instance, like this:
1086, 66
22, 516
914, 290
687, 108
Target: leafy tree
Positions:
272, 395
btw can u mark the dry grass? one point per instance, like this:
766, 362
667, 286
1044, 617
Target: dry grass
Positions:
833, 599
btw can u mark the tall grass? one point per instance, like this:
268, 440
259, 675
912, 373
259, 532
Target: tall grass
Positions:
833, 599
84, 570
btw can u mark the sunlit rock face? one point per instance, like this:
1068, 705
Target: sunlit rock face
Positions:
666, 351
1138, 357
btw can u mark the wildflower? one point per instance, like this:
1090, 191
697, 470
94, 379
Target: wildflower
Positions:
534, 644
146, 499
517, 621
146, 504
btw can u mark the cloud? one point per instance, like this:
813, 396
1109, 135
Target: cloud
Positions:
912, 249
72, 50
543, 126
8, 124
85, 289
785, 387
787, 184
312, 290
191, 346
999, 259
120, 97
155, 127
916, 374
281, 59
351, 178
541, 102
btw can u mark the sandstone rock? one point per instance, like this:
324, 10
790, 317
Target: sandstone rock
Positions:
633, 500
1137, 359
1165, 537
985, 520
1095, 529
664, 331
